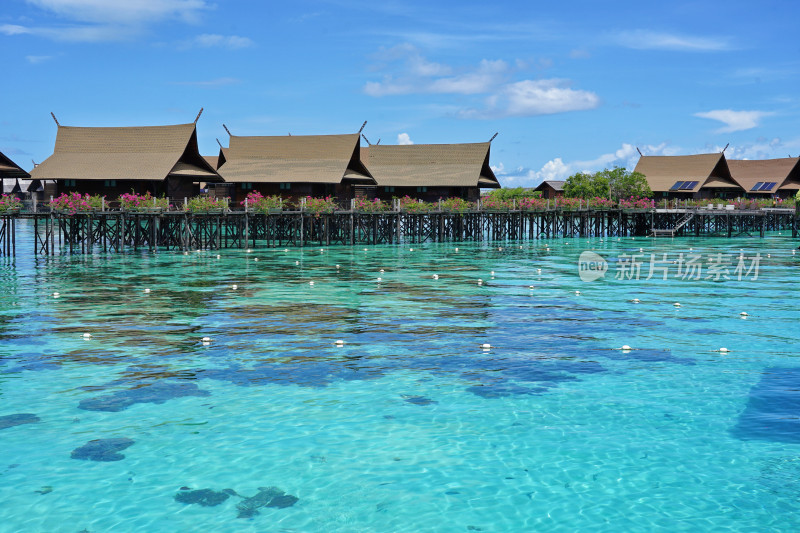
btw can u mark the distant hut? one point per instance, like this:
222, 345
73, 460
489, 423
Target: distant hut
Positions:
430, 171
689, 176
293, 166
551, 188
767, 177
162, 160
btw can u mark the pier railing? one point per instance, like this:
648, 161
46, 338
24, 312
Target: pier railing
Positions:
119, 231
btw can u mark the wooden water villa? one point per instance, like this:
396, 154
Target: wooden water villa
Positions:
120, 231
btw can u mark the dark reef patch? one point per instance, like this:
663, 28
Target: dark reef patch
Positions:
773, 408
203, 497
103, 450
157, 392
9, 421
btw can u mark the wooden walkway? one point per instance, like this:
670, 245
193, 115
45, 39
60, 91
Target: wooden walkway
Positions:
117, 231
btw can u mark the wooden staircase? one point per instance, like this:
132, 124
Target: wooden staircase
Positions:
670, 232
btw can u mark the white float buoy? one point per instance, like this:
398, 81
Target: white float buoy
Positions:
365, 249
538, 270
255, 259
486, 346
56, 295
635, 300
456, 249
311, 283
724, 350
340, 342
499, 248
147, 291
297, 262
381, 271
285, 249
531, 287
322, 249
625, 348
641, 250
676, 304
249, 251
337, 267
577, 292
410, 249
380, 279
743, 313
768, 255
436, 276
219, 256
87, 335
206, 339
185, 253
234, 287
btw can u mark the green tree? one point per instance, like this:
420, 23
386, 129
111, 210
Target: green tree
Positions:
583, 185
624, 184
513, 193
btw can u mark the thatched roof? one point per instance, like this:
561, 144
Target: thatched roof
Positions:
431, 165
558, 185
11, 170
147, 153
765, 176
294, 159
664, 172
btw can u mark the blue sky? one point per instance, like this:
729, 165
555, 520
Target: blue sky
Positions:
569, 86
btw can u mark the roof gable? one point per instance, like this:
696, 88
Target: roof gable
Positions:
431, 165
293, 159
11, 170
704, 170
149, 153
749, 172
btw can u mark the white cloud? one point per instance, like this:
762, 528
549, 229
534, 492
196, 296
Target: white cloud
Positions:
35, 60
417, 75
123, 12
403, 138
212, 40
735, 120
103, 20
653, 40
534, 97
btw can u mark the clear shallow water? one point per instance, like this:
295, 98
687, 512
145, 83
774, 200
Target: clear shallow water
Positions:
410, 426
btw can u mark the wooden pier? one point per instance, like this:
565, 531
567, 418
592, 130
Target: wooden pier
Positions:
119, 231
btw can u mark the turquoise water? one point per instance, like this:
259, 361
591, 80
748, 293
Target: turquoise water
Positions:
410, 425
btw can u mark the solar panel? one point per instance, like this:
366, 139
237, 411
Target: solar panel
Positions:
677, 186
688, 185
768, 186
757, 186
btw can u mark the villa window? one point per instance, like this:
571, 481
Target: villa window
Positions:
247, 186
69, 183
110, 183
286, 186
422, 189
388, 189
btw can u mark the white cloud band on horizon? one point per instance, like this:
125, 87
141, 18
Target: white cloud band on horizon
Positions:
103, 21
654, 40
404, 139
735, 120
